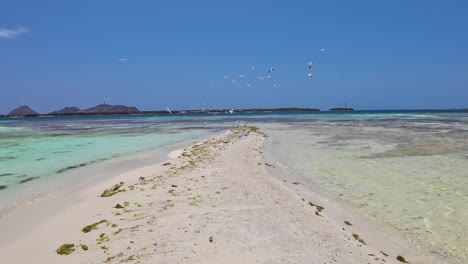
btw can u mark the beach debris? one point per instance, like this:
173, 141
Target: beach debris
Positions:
348, 223
113, 190
114, 225
401, 259
356, 236
90, 227
310, 63
173, 185
268, 164
166, 164
383, 253
65, 249
141, 178
126, 204
295, 183
210, 239
119, 206
310, 75
84, 247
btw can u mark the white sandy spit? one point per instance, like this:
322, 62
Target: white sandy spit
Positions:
212, 203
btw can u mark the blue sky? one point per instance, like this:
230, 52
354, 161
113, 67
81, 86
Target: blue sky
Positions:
153, 54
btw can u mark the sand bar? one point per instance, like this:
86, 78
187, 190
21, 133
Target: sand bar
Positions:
214, 202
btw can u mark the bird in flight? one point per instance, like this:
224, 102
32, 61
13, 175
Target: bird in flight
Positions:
310, 75
272, 69
310, 63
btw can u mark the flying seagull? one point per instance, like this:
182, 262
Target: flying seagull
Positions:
272, 69
234, 81
241, 76
322, 49
261, 78
169, 110
253, 68
310, 63
310, 74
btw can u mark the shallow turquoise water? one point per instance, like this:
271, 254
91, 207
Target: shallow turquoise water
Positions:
408, 173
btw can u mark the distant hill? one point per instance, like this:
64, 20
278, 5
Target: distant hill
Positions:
65, 111
107, 108
22, 111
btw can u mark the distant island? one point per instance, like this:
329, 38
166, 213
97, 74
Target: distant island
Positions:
107, 109
23, 110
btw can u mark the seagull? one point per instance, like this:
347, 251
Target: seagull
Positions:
322, 50
310, 63
253, 68
310, 74
261, 78
234, 81
241, 76
272, 69
169, 110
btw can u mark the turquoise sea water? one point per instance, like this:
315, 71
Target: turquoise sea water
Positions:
405, 170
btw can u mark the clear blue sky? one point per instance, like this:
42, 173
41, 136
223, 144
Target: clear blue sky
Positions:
151, 54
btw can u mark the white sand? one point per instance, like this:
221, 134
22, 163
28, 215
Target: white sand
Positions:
219, 189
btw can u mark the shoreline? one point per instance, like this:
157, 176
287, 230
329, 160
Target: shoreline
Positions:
216, 200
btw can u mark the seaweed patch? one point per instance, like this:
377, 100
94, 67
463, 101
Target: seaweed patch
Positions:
3, 187
28, 179
65, 249
6, 174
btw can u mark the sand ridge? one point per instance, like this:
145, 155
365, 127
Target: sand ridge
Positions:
211, 203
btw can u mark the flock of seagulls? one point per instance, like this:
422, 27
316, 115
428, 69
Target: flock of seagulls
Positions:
270, 72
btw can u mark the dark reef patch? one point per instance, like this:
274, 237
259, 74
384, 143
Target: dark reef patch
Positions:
39, 159
72, 167
6, 174
7, 158
2, 187
28, 179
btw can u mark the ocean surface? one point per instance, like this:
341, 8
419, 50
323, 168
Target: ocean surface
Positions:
405, 170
